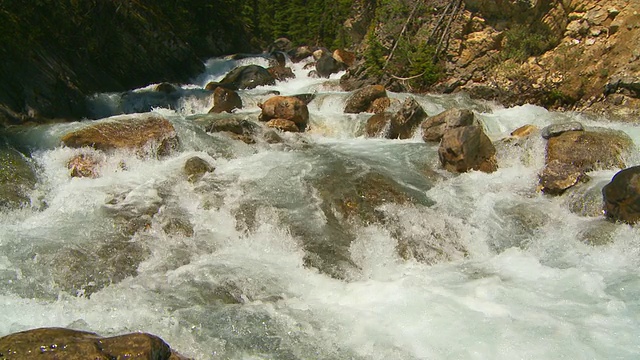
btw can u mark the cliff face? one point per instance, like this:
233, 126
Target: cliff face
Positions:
56, 53
568, 54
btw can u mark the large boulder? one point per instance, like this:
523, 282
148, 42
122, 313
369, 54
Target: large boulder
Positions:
60, 343
248, 77
17, 178
363, 99
590, 150
558, 177
622, 196
434, 127
285, 107
467, 148
378, 125
345, 57
406, 120
225, 100
327, 65
136, 131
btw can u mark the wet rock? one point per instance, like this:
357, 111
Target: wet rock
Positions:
305, 98
166, 88
84, 165
524, 131
378, 125
196, 167
622, 196
281, 73
248, 77
345, 57
435, 126
225, 100
362, 100
406, 120
212, 86
558, 129
585, 199
283, 125
17, 178
590, 150
136, 131
178, 226
379, 105
272, 137
467, 148
285, 107
233, 125
327, 65
60, 343
558, 177
280, 44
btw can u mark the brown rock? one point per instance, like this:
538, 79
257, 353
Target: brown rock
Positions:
283, 125
379, 105
344, 56
126, 132
378, 125
467, 148
233, 125
83, 165
523, 131
434, 127
196, 167
361, 100
59, 343
281, 73
590, 150
300, 53
248, 77
285, 107
622, 196
225, 100
558, 177
406, 120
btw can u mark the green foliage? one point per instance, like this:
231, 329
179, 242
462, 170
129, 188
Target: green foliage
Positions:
374, 55
525, 41
421, 60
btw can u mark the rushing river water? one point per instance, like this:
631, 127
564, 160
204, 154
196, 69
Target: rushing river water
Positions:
263, 264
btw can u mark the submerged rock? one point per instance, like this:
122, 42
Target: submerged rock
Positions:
283, 125
196, 167
225, 100
60, 343
83, 165
590, 150
126, 132
285, 107
435, 126
362, 100
248, 77
233, 125
467, 148
622, 196
17, 178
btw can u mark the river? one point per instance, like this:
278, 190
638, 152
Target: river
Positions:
265, 264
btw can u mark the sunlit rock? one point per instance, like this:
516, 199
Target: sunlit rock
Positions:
283, 125
524, 131
84, 165
557, 177
225, 100
622, 196
196, 167
344, 56
434, 127
300, 53
60, 343
362, 100
590, 150
406, 120
248, 77
285, 107
126, 132
17, 178
467, 148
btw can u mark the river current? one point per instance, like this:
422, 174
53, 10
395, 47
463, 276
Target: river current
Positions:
474, 266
